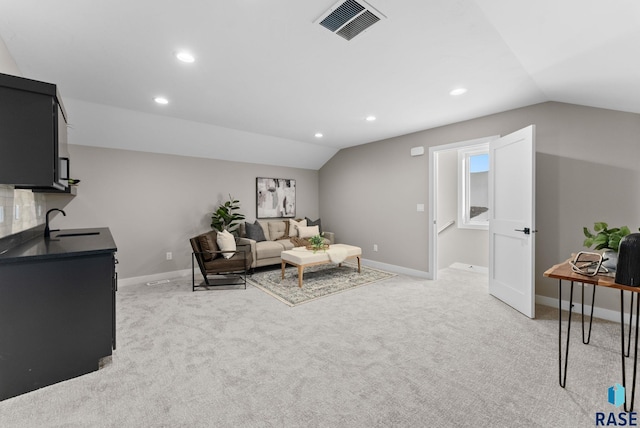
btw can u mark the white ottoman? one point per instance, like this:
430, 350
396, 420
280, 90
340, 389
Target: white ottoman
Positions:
301, 257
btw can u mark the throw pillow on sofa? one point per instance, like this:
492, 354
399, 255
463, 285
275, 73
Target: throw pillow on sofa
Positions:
308, 231
315, 223
227, 242
293, 227
254, 231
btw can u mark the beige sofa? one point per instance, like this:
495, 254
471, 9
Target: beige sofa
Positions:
278, 237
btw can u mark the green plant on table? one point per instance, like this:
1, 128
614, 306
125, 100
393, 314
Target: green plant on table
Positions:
226, 217
604, 238
317, 243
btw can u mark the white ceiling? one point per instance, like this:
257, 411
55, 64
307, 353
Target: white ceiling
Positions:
266, 69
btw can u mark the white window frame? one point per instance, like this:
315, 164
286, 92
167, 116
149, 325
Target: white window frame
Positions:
464, 154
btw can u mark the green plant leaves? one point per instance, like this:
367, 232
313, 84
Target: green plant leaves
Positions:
604, 238
224, 217
600, 226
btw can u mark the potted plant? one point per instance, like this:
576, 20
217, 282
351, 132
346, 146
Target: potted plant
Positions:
317, 243
226, 217
607, 240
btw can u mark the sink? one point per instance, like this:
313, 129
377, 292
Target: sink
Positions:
77, 234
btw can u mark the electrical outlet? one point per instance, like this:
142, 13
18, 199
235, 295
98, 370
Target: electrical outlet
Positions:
375, 247
169, 255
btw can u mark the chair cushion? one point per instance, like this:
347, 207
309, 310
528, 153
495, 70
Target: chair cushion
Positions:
226, 242
208, 243
254, 231
234, 264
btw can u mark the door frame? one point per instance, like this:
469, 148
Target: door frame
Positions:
433, 194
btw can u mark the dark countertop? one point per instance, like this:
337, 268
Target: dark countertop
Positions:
98, 241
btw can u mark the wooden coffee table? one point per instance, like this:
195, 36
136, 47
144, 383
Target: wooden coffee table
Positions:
302, 258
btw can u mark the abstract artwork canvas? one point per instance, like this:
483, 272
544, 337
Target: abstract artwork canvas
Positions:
275, 197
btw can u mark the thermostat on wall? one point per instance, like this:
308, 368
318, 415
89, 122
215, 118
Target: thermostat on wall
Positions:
417, 151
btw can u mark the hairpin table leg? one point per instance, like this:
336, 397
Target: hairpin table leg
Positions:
563, 377
593, 303
630, 324
635, 352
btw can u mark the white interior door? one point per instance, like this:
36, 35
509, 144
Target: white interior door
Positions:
512, 220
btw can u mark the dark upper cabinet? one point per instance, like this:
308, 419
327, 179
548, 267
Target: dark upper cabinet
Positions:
33, 134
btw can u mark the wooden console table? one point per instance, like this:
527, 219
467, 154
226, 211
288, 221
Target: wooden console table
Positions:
564, 272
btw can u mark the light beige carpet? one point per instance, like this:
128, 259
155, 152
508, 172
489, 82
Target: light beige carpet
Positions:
401, 352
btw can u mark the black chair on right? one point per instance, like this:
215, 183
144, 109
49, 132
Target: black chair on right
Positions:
217, 270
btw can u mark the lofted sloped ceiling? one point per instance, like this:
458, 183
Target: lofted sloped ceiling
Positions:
267, 74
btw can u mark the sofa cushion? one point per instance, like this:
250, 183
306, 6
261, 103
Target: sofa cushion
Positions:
277, 230
293, 227
269, 249
226, 242
208, 245
308, 231
286, 243
254, 231
315, 223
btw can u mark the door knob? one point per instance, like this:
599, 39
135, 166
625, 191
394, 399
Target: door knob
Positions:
526, 231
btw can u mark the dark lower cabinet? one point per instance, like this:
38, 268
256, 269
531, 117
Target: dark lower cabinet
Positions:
57, 319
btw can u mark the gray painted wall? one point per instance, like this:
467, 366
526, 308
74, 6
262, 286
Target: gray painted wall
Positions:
153, 203
587, 170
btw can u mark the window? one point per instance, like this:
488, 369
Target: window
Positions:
473, 187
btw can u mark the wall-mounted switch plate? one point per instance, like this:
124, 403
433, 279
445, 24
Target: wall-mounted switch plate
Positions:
420, 207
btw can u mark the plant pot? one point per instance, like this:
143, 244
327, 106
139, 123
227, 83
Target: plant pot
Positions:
611, 260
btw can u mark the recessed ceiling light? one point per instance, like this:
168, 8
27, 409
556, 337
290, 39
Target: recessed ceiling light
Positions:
371, 118
161, 100
185, 56
458, 91
319, 135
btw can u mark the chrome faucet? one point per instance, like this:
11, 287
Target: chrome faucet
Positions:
47, 232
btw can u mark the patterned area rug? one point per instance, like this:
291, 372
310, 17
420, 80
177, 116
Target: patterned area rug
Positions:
318, 281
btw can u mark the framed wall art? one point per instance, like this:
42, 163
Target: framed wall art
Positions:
275, 197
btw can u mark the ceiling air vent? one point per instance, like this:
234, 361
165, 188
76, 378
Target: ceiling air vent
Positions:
349, 18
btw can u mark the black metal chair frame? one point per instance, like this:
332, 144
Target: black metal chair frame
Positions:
234, 277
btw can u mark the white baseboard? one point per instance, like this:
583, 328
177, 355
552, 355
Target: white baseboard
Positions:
397, 269
125, 282
470, 268
606, 314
